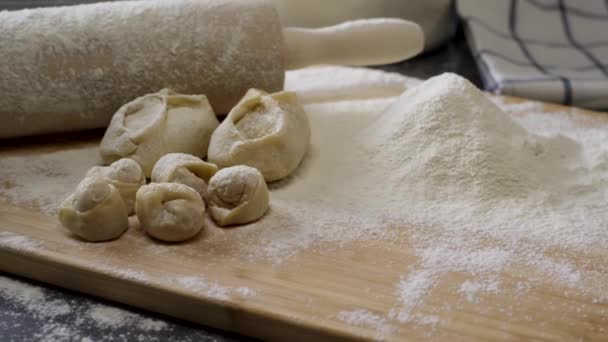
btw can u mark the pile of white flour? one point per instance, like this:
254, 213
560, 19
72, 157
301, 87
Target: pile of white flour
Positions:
473, 189
444, 154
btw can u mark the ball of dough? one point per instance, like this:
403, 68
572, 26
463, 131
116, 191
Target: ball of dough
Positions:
156, 124
267, 131
184, 169
237, 195
126, 175
170, 211
95, 211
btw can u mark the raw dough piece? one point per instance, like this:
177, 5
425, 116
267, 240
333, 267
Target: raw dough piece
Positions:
170, 211
95, 211
267, 131
156, 124
184, 169
126, 175
237, 195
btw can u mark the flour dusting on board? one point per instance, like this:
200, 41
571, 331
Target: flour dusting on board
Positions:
127, 273
44, 179
212, 289
470, 289
365, 318
475, 193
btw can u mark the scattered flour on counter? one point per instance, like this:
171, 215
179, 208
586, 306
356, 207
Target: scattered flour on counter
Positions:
44, 179
22, 300
57, 332
109, 317
148, 324
32, 299
106, 316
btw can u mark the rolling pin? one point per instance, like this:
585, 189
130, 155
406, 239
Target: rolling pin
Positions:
70, 68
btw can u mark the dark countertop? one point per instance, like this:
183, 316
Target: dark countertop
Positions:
32, 311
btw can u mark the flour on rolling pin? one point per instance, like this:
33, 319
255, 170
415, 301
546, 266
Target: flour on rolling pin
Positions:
71, 68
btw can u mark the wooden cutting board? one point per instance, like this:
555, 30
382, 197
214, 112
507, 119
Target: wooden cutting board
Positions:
303, 298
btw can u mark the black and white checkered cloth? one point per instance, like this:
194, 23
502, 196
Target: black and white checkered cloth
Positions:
551, 50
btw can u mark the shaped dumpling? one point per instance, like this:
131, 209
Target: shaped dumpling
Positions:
126, 175
170, 211
237, 195
267, 131
95, 211
156, 124
184, 169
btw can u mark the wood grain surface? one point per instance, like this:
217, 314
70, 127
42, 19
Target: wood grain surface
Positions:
301, 298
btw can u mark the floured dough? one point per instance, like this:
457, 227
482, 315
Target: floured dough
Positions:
267, 131
184, 169
156, 124
126, 175
95, 211
237, 195
170, 211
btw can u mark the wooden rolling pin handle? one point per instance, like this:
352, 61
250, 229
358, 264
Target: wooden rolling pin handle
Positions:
358, 42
